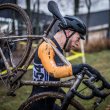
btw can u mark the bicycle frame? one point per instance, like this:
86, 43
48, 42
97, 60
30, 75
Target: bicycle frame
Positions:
12, 82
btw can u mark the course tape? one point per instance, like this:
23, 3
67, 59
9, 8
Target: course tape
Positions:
69, 58
24, 43
5, 71
76, 55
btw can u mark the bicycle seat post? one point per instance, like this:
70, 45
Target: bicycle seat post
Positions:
50, 27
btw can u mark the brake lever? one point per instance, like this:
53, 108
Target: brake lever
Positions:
89, 74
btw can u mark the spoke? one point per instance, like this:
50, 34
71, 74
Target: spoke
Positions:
23, 36
11, 56
3, 82
11, 32
5, 62
17, 40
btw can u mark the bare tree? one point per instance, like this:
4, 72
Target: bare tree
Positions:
76, 6
88, 4
36, 18
28, 7
108, 30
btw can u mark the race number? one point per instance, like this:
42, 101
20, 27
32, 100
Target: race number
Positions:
39, 73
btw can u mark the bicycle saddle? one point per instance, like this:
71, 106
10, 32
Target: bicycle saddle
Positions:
53, 8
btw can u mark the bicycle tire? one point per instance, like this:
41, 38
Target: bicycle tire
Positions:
56, 95
28, 24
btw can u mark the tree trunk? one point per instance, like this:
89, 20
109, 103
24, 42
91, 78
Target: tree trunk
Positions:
37, 19
108, 30
28, 7
76, 6
88, 4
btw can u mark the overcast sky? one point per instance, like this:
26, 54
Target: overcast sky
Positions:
66, 6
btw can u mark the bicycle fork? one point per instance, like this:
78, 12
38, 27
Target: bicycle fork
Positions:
71, 92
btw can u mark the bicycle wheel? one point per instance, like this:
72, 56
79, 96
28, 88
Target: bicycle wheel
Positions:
74, 105
14, 21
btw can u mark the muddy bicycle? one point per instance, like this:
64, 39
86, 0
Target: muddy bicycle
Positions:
15, 71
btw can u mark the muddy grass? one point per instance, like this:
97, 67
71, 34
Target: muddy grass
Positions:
99, 60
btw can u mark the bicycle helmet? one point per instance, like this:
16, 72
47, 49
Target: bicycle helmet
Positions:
75, 24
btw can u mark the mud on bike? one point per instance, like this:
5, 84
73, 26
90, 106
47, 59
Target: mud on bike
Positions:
16, 68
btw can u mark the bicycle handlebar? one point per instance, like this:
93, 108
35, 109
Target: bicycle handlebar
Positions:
96, 91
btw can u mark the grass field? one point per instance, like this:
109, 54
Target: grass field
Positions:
99, 60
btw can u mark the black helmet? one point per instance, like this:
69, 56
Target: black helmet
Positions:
75, 24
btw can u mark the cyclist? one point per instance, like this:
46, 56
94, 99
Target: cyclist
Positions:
49, 67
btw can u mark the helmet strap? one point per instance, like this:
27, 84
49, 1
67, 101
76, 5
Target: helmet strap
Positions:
67, 38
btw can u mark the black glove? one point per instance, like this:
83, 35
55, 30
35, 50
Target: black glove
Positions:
77, 68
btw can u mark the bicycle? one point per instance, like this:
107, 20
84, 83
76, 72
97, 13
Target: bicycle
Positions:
14, 78
14, 21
